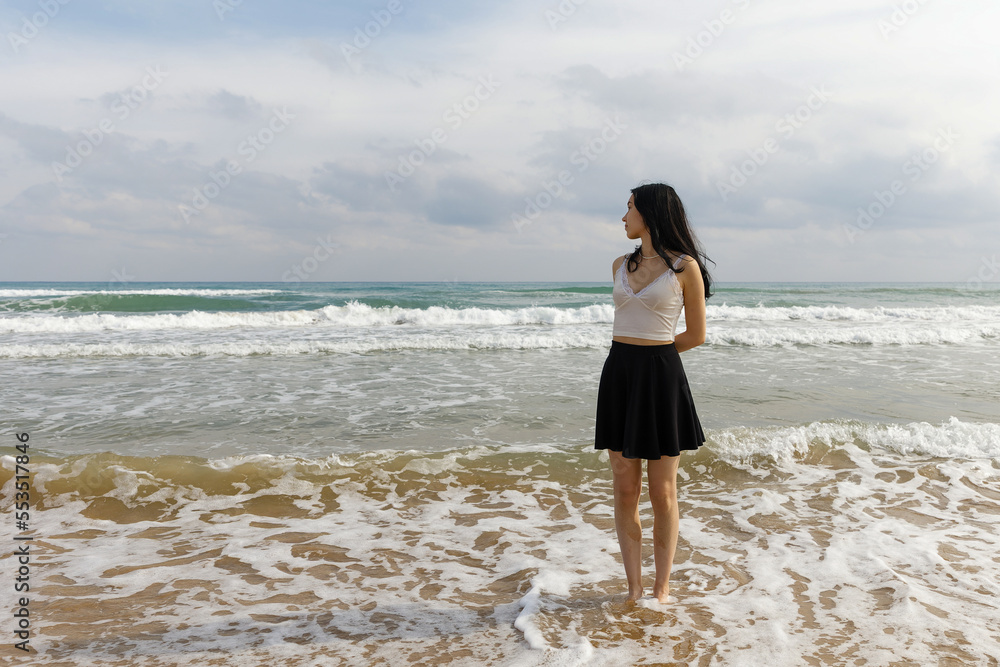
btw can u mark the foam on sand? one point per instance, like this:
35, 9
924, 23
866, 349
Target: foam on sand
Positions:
832, 542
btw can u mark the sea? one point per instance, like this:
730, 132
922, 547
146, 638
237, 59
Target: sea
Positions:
404, 474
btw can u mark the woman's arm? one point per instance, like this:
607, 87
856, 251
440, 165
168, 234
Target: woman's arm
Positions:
694, 306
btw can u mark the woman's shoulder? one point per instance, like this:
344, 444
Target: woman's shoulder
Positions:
618, 262
683, 260
688, 272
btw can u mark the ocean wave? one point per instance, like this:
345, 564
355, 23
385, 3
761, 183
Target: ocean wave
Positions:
878, 314
194, 320
123, 476
951, 439
352, 314
471, 339
879, 335
27, 293
352, 345
356, 314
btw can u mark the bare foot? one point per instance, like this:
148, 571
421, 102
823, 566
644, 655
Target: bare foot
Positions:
662, 595
634, 595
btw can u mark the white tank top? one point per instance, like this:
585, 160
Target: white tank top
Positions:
654, 311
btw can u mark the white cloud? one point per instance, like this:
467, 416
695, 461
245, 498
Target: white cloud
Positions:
558, 87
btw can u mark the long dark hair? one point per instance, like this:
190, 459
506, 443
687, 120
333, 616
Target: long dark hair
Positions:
662, 211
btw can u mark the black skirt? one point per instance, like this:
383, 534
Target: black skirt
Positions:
644, 405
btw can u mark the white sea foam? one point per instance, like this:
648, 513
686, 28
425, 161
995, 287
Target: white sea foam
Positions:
24, 293
870, 556
555, 327
345, 345
878, 314
194, 320
874, 334
359, 314
351, 315
951, 439
367, 341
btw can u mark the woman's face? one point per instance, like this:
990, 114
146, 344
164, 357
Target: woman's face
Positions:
634, 224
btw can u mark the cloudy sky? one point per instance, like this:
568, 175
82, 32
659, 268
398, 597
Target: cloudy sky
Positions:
419, 140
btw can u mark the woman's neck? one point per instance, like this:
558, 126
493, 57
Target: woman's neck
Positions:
646, 249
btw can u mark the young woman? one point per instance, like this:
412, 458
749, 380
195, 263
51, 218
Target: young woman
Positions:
644, 406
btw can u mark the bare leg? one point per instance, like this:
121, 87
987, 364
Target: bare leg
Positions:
628, 485
663, 496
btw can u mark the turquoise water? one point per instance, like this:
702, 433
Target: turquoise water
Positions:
180, 297
223, 367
